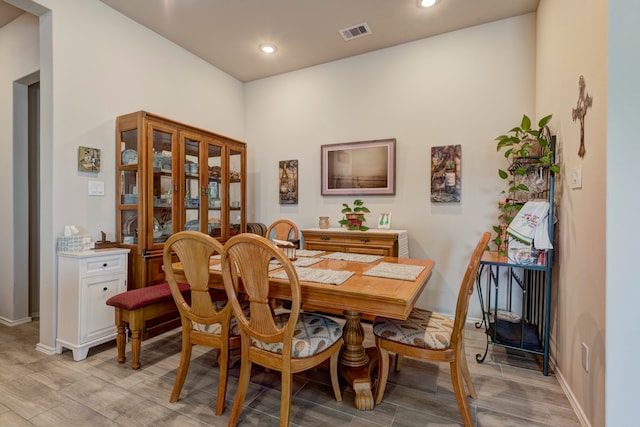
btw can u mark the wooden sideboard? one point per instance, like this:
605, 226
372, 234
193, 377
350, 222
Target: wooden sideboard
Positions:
373, 241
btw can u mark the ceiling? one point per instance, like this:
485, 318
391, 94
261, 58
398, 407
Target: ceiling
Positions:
227, 33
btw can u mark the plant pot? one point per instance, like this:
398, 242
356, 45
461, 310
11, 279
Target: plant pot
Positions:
355, 220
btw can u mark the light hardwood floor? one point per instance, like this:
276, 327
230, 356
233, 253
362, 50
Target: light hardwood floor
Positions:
42, 390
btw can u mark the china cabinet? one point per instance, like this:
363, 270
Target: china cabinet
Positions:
173, 177
86, 280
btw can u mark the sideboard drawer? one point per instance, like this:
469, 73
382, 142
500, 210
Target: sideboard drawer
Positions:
372, 242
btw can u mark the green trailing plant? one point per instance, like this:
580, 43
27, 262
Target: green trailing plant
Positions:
521, 142
354, 217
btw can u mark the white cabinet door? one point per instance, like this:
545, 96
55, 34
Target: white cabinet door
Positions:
97, 319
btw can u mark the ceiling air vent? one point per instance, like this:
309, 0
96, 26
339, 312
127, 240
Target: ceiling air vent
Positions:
356, 31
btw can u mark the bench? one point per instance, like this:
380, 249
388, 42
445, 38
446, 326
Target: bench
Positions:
136, 308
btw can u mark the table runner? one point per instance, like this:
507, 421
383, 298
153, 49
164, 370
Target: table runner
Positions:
395, 271
345, 256
317, 275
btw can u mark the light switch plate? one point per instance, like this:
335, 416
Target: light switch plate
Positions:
576, 177
96, 188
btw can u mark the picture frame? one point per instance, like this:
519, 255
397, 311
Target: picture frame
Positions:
384, 220
288, 182
359, 168
88, 159
446, 174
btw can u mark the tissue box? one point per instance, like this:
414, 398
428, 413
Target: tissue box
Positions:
74, 243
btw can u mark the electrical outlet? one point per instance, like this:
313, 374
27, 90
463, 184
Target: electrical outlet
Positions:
585, 357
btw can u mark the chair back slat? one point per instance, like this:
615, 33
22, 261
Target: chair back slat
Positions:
466, 289
251, 255
193, 250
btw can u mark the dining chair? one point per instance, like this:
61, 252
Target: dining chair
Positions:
432, 336
283, 230
288, 342
205, 320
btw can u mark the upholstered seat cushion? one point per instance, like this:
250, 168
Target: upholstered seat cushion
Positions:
313, 334
141, 297
423, 328
214, 328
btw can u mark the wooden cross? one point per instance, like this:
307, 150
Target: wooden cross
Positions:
584, 102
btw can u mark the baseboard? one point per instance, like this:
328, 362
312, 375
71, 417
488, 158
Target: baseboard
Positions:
46, 349
572, 398
9, 322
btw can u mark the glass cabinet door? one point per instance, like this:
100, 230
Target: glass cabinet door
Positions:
191, 196
129, 185
213, 189
163, 147
236, 199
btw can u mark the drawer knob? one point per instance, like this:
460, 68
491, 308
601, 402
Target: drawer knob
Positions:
365, 240
105, 264
325, 238
105, 288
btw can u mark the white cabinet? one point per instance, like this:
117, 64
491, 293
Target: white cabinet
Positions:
86, 280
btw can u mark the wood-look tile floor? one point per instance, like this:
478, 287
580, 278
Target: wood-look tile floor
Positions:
43, 390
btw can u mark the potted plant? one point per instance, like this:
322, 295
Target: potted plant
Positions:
523, 146
354, 217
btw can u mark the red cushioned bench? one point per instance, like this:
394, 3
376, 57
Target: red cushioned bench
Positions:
137, 307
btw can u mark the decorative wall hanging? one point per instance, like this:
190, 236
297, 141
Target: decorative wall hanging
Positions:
446, 171
584, 102
359, 168
88, 159
288, 182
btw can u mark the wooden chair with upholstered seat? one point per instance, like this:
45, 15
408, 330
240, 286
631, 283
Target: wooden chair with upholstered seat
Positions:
431, 336
283, 229
205, 321
289, 342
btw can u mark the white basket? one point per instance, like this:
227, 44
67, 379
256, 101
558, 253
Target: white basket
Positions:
74, 243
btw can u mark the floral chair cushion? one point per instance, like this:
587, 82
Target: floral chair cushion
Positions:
423, 328
214, 328
313, 334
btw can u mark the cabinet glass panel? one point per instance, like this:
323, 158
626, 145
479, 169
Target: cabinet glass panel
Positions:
129, 147
214, 172
191, 184
235, 192
129, 187
129, 226
162, 186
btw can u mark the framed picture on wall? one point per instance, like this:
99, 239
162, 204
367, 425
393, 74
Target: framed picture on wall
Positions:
88, 159
446, 172
359, 168
288, 182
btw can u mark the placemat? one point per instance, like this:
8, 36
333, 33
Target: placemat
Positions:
317, 275
307, 252
301, 262
345, 256
395, 271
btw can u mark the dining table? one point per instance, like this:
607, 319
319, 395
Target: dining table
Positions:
353, 285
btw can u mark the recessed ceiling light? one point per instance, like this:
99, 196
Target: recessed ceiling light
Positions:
268, 48
427, 3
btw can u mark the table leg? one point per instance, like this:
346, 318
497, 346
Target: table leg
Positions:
356, 363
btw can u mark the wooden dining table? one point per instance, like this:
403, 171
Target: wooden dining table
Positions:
359, 295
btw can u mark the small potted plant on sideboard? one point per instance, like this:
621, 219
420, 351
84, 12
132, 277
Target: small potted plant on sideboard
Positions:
354, 217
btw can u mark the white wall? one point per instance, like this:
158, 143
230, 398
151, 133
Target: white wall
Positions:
19, 53
97, 64
464, 87
568, 48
